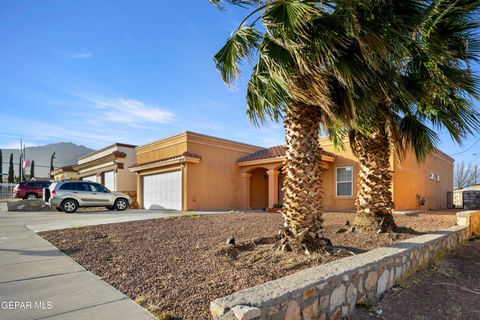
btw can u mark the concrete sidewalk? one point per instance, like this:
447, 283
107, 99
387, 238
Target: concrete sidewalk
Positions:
52, 220
37, 281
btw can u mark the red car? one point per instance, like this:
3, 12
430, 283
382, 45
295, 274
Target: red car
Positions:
30, 189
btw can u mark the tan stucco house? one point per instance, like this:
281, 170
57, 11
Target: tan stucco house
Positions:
192, 171
64, 173
109, 166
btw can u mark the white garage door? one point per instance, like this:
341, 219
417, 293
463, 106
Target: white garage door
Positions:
109, 179
90, 178
163, 191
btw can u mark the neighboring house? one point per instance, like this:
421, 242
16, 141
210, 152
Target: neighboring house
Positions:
109, 166
192, 171
64, 173
473, 187
467, 198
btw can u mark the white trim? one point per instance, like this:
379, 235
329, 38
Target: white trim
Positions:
336, 182
163, 163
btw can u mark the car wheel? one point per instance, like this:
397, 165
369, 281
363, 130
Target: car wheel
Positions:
69, 206
59, 209
121, 204
31, 196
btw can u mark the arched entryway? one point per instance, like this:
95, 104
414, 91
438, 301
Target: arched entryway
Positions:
262, 177
259, 188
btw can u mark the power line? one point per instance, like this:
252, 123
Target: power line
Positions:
473, 145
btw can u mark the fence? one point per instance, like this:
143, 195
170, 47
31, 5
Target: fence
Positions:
6, 190
464, 199
471, 200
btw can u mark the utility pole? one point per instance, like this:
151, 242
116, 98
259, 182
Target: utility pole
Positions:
475, 174
21, 164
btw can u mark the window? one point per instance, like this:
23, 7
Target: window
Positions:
344, 181
82, 186
98, 188
68, 186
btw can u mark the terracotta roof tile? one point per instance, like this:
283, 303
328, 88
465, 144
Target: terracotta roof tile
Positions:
185, 154
273, 152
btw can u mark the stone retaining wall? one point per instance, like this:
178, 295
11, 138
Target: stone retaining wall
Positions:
133, 196
331, 291
28, 205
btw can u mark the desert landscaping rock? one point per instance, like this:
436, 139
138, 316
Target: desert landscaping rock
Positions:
382, 283
246, 312
338, 297
179, 265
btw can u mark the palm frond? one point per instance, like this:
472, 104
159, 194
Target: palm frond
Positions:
220, 4
267, 94
238, 47
418, 136
290, 15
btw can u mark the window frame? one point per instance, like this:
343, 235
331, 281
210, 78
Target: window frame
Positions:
336, 182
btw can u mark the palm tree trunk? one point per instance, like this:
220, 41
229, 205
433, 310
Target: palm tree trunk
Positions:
374, 202
302, 205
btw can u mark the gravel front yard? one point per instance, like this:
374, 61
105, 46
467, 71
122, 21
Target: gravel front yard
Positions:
177, 266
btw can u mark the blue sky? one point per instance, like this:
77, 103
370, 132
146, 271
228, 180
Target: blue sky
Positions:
98, 72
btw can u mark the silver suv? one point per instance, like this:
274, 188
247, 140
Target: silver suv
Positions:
68, 196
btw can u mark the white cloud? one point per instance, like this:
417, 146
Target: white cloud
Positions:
80, 54
15, 144
98, 119
68, 130
131, 111
96, 109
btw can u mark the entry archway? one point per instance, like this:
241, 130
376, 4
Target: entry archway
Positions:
259, 188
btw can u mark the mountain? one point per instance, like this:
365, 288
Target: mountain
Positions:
65, 153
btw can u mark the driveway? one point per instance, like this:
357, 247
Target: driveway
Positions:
39, 221
37, 281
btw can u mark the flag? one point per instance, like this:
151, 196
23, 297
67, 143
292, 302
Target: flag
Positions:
27, 163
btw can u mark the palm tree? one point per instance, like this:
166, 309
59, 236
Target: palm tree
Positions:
310, 56
435, 90
20, 177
